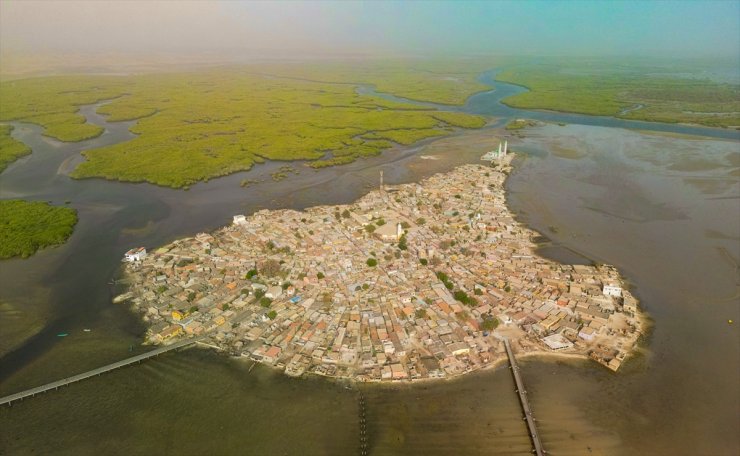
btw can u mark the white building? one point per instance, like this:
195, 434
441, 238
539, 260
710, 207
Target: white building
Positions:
557, 342
135, 255
612, 290
587, 333
240, 220
497, 155
390, 232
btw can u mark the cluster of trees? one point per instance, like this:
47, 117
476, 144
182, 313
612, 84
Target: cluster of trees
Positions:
445, 280
463, 297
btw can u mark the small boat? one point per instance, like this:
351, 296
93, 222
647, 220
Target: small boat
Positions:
86, 330
62, 335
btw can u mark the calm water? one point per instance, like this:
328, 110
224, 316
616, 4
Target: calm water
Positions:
665, 210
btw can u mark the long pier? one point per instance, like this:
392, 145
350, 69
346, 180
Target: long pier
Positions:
101, 370
538, 449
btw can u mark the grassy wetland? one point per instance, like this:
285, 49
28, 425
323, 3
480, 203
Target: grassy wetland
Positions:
629, 91
10, 149
199, 125
26, 226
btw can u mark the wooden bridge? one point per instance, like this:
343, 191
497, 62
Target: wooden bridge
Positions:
524, 401
101, 370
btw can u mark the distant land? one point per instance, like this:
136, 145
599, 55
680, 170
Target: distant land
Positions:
198, 125
659, 92
202, 123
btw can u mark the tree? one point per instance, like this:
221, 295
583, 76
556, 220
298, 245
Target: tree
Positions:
191, 296
380, 222
193, 309
259, 293
405, 225
489, 323
251, 273
225, 307
420, 313
421, 221
423, 261
320, 275
271, 314
370, 228
270, 268
461, 296
372, 262
265, 301
345, 213
402, 245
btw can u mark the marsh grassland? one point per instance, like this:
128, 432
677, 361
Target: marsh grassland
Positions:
26, 226
199, 125
10, 149
636, 91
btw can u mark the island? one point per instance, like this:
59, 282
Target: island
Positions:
410, 282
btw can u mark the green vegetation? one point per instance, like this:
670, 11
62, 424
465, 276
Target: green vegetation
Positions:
26, 226
196, 126
445, 81
489, 323
463, 297
53, 102
271, 314
10, 149
402, 243
372, 262
636, 91
265, 301
420, 313
519, 124
444, 278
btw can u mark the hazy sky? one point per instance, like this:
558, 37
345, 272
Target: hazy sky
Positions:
684, 28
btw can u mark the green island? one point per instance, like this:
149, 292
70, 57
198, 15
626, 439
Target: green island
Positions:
204, 124
636, 91
10, 149
26, 226
519, 124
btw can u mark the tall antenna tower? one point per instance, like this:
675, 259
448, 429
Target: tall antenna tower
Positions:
381, 180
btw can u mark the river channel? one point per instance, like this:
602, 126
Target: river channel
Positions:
661, 206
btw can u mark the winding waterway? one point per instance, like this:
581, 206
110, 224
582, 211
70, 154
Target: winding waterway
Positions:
664, 209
